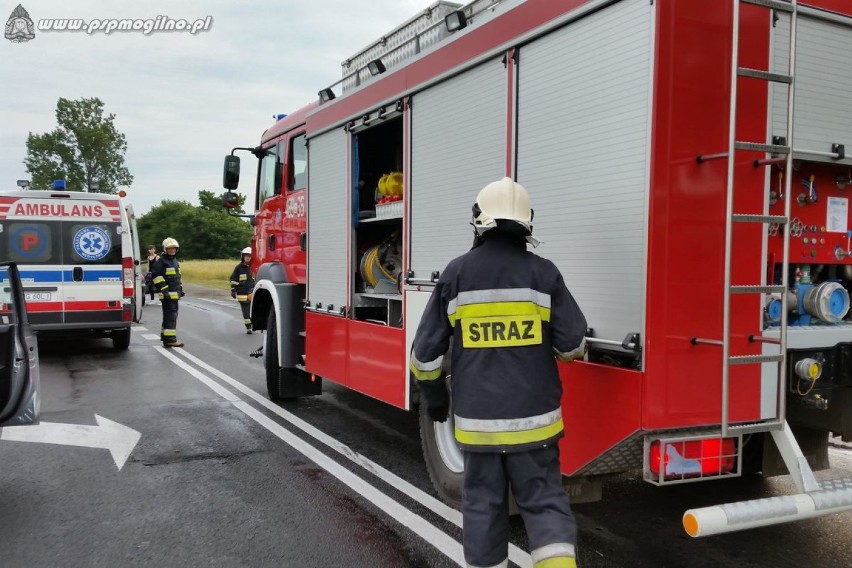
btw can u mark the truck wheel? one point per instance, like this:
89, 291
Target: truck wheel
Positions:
443, 458
121, 339
270, 357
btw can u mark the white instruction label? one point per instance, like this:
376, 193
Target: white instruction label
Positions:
838, 215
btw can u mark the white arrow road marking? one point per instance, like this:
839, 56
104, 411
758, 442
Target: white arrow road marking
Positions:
117, 438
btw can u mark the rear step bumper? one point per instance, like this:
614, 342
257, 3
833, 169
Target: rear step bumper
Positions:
833, 496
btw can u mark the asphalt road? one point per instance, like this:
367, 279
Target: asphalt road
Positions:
216, 475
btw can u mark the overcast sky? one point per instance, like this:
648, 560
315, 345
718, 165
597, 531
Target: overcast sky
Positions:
182, 100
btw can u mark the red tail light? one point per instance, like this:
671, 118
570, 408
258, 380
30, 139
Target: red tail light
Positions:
127, 276
694, 458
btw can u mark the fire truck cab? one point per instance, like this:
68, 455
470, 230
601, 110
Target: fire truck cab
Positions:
689, 174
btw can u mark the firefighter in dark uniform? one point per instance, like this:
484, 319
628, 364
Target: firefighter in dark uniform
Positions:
166, 274
509, 317
242, 285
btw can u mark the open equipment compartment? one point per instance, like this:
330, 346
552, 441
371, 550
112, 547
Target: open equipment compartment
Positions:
378, 206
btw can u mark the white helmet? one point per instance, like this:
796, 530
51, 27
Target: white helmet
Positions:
246, 250
169, 242
503, 200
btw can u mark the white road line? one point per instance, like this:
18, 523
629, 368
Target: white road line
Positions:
150, 336
426, 530
516, 555
420, 526
138, 327
214, 386
840, 459
230, 304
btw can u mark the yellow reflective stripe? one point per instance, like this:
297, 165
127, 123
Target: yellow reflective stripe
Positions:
558, 550
169, 332
501, 331
498, 309
174, 295
513, 438
246, 321
424, 375
234, 283
557, 562
243, 277
241, 298
171, 271
159, 279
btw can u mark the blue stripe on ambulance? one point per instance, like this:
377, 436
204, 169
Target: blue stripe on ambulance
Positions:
47, 276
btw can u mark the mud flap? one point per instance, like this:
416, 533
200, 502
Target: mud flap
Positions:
295, 383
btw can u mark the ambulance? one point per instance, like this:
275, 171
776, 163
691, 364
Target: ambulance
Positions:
78, 255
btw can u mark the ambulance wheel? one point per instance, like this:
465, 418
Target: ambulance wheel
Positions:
444, 460
121, 339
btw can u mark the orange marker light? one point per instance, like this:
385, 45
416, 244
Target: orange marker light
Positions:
690, 524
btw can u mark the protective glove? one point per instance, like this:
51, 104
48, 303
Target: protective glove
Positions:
234, 294
182, 293
438, 413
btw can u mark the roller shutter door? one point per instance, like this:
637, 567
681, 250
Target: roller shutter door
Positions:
328, 219
458, 146
583, 138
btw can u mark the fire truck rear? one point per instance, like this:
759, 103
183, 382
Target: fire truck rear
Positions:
689, 173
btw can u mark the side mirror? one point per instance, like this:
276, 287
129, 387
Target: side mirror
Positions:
230, 200
231, 174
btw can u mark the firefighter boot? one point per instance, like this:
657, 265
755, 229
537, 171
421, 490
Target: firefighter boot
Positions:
173, 344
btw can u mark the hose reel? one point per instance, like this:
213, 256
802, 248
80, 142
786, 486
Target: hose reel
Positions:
381, 265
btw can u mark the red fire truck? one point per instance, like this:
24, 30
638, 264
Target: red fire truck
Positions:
687, 164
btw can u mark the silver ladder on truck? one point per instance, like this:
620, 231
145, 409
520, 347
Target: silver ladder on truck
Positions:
814, 499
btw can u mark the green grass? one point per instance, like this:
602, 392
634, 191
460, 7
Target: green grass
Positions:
208, 273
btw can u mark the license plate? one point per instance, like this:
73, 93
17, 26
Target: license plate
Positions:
37, 296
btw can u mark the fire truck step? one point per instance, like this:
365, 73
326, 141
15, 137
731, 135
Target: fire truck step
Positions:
757, 289
774, 4
766, 75
748, 218
748, 359
752, 427
757, 147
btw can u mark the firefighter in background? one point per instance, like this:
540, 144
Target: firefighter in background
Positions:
149, 280
242, 284
166, 273
508, 316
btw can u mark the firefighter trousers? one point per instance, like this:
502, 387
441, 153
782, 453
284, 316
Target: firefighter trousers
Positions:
536, 482
168, 334
246, 309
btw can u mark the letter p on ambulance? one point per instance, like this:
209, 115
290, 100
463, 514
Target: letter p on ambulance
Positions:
28, 241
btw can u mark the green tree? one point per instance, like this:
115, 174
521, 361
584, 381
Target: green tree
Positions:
205, 231
213, 202
85, 150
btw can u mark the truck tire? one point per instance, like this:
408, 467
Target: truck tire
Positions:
270, 356
121, 339
444, 459
285, 383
